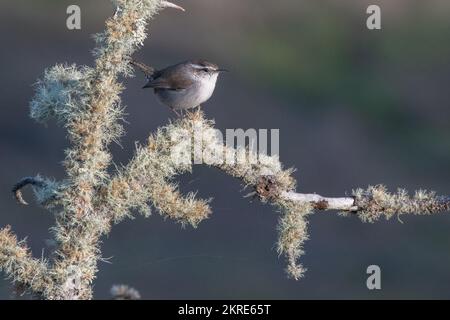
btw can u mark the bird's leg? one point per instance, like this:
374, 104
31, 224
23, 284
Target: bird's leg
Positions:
175, 111
195, 114
198, 110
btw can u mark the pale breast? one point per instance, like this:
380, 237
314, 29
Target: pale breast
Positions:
190, 97
206, 89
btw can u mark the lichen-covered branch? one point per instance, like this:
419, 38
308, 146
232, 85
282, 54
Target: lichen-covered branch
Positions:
86, 101
92, 127
171, 151
147, 178
18, 264
174, 147
124, 292
376, 202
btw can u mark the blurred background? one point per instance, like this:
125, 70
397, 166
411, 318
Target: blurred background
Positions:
354, 107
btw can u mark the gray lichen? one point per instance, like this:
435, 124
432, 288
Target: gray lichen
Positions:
376, 202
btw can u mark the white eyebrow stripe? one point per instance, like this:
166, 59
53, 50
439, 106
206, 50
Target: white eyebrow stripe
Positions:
197, 66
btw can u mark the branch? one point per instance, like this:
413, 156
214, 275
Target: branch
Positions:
17, 263
376, 202
46, 191
322, 203
168, 4
17, 188
147, 178
124, 292
86, 100
170, 152
371, 204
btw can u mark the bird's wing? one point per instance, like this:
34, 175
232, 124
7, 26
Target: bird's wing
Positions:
159, 83
169, 79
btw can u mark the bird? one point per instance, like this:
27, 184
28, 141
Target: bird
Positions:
183, 86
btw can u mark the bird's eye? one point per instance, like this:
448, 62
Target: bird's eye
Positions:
205, 70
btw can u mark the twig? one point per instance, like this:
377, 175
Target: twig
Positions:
168, 4
17, 188
16, 261
322, 203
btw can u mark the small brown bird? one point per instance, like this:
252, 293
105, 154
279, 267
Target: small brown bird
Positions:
183, 86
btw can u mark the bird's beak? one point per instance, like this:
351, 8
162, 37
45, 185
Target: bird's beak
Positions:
222, 70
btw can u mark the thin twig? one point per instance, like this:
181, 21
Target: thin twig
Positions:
322, 203
167, 4
17, 188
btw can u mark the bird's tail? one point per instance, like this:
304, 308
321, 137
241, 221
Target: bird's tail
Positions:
147, 70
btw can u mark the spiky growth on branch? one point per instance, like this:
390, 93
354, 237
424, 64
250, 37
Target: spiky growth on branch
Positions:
124, 292
86, 101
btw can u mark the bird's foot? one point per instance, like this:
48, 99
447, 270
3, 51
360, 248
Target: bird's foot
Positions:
189, 114
196, 114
